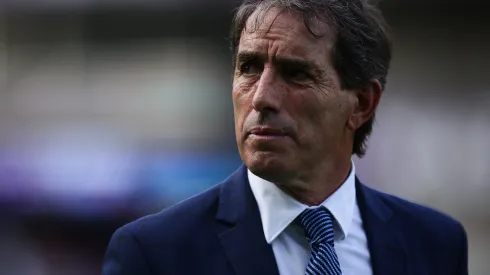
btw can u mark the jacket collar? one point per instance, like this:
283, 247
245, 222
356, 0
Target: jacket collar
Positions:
242, 237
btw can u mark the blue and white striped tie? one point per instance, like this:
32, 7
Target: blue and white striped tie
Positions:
318, 227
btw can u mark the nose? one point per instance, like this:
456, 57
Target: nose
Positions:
268, 95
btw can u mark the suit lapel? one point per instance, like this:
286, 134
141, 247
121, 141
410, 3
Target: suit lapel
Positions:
386, 246
240, 230
242, 237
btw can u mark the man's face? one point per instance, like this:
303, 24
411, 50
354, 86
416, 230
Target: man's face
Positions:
290, 111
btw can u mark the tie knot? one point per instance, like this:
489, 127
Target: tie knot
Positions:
318, 225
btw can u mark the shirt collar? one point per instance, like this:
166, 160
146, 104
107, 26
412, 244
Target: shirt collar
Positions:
278, 210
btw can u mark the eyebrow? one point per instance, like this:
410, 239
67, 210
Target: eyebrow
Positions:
306, 65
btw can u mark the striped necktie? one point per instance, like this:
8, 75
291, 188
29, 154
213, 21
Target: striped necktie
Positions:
318, 226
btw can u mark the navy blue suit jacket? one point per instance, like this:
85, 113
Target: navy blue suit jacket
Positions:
219, 232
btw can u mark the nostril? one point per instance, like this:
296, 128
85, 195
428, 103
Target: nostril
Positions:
266, 103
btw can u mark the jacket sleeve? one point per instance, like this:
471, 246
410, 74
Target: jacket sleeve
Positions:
124, 256
463, 255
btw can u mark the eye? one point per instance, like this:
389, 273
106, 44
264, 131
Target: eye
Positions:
250, 68
296, 75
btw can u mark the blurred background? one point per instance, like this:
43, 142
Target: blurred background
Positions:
111, 110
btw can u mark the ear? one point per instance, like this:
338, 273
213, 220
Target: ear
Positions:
367, 100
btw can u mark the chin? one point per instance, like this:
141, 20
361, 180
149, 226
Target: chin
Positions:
270, 166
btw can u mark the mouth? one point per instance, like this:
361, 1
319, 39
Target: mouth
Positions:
266, 133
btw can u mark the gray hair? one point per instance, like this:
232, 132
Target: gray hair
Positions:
362, 48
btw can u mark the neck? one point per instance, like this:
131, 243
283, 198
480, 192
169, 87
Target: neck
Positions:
315, 188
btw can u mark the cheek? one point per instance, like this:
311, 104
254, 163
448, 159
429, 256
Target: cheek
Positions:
313, 109
241, 106
241, 94
321, 115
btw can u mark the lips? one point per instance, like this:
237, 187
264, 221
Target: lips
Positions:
265, 131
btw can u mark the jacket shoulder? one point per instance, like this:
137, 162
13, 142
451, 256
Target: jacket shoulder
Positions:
431, 230
155, 242
420, 217
181, 218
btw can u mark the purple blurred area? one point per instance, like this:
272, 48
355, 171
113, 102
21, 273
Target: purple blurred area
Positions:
111, 110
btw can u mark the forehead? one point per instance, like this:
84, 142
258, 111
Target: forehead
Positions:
281, 32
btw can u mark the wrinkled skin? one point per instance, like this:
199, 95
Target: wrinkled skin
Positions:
294, 123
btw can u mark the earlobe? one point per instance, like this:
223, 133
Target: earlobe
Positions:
366, 103
352, 122
351, 125
356, 120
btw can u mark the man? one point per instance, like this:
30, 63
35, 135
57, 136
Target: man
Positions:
308, 77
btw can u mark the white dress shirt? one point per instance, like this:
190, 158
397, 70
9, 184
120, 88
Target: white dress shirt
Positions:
291, 249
